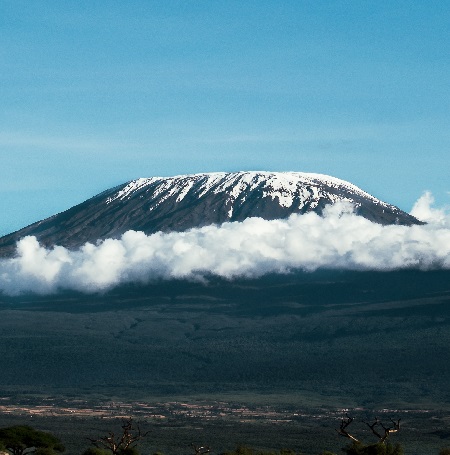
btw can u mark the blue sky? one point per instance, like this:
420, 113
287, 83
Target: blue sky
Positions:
95, 93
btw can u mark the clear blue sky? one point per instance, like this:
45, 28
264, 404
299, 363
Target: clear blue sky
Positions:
95, 93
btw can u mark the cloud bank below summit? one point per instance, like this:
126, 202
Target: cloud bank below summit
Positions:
252, 248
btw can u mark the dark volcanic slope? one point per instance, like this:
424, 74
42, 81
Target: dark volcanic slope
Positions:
184, 202
331, 338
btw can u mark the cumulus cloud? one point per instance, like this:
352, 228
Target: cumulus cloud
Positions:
423, 210
252, 248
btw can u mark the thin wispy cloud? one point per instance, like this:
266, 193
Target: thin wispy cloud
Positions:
22, 139
354, 131
252, 248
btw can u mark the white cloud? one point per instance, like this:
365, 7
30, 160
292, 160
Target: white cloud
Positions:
252, 248
424, 211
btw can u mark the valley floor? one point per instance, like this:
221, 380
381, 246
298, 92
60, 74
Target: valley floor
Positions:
174, 426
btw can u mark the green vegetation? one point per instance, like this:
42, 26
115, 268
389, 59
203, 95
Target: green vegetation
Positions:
98, 451
19, 439
95, 451
244, 450
23, 439
357, 448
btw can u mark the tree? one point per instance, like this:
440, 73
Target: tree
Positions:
21, 439
122, 443
382, 432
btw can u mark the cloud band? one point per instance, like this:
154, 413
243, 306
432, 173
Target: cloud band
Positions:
252, 248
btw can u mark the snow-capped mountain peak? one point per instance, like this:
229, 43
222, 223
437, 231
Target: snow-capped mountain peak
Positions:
188, 201
290, 189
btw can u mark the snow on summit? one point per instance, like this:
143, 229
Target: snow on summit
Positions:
183, 202
285, 186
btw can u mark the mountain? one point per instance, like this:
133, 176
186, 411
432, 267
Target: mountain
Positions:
366, 341
187, 201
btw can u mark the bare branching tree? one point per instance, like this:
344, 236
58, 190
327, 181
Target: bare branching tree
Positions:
378, 429
126, 439
382, 436
343, 428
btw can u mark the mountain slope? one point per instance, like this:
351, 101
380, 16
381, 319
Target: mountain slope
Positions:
183, 202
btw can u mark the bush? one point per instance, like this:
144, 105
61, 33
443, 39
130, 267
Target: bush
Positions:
19, 438
95, 451
244, 450
129, 451
373, 449
45, 451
